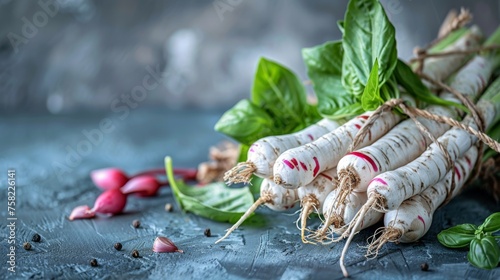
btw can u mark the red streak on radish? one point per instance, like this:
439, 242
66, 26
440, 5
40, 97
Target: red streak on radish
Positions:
468, 161
380, 180
422, 220
316, 167
326, 176
310, 137
251, 148
458, 173
289, 164
367, 158
364, 117
357, 126
304, 166
295, 163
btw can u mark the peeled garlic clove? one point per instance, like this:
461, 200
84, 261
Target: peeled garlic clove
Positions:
109, 178
81, 212
110, 202
165, 245
145, 185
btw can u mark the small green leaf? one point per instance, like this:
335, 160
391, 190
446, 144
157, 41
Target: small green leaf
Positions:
369, 35
245, 122
448, 40
484, 252
458, 236
214, 201
492, 223
414, 86
371, 99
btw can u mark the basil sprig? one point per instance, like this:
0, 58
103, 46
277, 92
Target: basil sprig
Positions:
484, 251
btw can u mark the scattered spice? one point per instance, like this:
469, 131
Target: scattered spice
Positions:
27, 246
169, 207
424, 266
165, 245
135, 253
36, 237
136, 223
118, 246
93, 262
207, 232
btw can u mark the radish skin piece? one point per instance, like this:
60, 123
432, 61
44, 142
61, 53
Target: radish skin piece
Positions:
299, 166
406, 142
263, 153
413, 218
273, 196
313, 195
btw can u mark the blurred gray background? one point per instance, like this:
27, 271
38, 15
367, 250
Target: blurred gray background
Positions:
76, 55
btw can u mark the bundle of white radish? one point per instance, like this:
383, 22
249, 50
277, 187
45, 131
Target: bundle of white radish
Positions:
273, 196
401, 145
413, 218
313, 195
405, 141
263, 153
299, 166
388, 190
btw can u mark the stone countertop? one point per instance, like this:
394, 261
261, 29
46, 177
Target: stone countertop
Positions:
52, 157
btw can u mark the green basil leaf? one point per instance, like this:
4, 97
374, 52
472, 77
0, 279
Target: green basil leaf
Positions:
492, 223
368, 35
245, 122
214, 201
350, 80
458, 236
371, 99
324, 68
279, 92
414, 86
340, 24
484, 252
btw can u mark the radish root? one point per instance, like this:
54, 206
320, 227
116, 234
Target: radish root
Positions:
263, 199
389, 234
308, 204
241, 173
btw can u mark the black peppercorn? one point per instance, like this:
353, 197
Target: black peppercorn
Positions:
27, 246
93, 262
118, 246
135, 253
424, 266
207, 232
36, 237
136, 223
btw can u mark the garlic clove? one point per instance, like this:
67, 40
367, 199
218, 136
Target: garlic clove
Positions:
110, 202
81, 212
165, 245
109, 178
145, 185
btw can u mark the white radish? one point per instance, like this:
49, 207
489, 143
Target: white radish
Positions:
263, 153
405, 142
313, 195
273, 196
413, 218
336, 221
299, 166
388, 190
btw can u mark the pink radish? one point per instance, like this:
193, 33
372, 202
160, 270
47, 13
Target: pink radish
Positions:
313, 195
263, 153
299, 166
405, 142
413, 218
273, 196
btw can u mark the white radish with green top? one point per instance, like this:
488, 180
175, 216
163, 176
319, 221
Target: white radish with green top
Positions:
263, 153
413, 218
273, 196
299, 166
